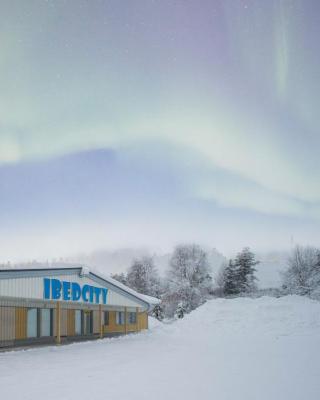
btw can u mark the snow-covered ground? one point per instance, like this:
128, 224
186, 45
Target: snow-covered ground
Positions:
243, 349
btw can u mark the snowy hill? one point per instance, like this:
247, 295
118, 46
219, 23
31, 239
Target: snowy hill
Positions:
244, 349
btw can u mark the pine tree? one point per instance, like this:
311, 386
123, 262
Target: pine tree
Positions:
231, 286
244, 263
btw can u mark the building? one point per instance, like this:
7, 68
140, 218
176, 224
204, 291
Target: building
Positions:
66, 304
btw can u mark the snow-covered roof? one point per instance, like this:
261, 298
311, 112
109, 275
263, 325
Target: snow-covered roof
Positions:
148, 299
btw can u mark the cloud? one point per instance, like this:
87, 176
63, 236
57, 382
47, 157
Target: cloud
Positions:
154, 195
234, 192
268, 179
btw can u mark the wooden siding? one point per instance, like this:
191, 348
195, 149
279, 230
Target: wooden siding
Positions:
71, 322
113, 327
7, 323
21, 323
96, 321
54, 322
13, 320
142, 323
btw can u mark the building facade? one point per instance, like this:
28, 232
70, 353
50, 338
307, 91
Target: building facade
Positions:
66, 304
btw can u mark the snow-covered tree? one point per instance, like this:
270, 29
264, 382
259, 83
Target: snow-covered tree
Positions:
180, 311
120, 278
237, 276
303, 274
188, 279
143, 277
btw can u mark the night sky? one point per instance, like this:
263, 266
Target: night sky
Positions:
150, 122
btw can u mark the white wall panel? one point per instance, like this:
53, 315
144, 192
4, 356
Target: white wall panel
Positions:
32, 288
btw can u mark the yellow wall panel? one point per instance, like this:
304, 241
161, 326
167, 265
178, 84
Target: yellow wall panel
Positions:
71, 322
142, 323
21, 323
143, 320
113, 327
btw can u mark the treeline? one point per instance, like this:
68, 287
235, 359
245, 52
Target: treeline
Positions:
189, 282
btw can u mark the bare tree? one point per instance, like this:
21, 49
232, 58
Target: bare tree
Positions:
143, 277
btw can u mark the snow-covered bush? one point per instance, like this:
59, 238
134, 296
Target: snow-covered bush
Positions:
158, 312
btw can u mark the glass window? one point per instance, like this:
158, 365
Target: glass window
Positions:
106, 318
132, 318
45, 324
87, 322
120, 317
32, 322
78, 322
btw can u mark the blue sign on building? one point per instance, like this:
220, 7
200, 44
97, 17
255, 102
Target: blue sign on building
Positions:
54, 289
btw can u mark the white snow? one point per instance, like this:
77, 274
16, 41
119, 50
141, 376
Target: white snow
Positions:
240, 349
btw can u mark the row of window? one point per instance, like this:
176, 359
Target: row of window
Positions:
40, 321
120, 318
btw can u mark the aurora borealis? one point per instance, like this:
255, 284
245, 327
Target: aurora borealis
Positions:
147, 122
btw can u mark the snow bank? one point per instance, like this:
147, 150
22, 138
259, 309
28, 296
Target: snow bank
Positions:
244, 349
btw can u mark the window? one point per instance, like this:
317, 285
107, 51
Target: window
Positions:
87, 322
77, 322
45, 322
120, 317
32, 323
106, 318
132, 318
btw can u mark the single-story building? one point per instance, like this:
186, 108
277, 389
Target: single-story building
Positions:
57, 305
